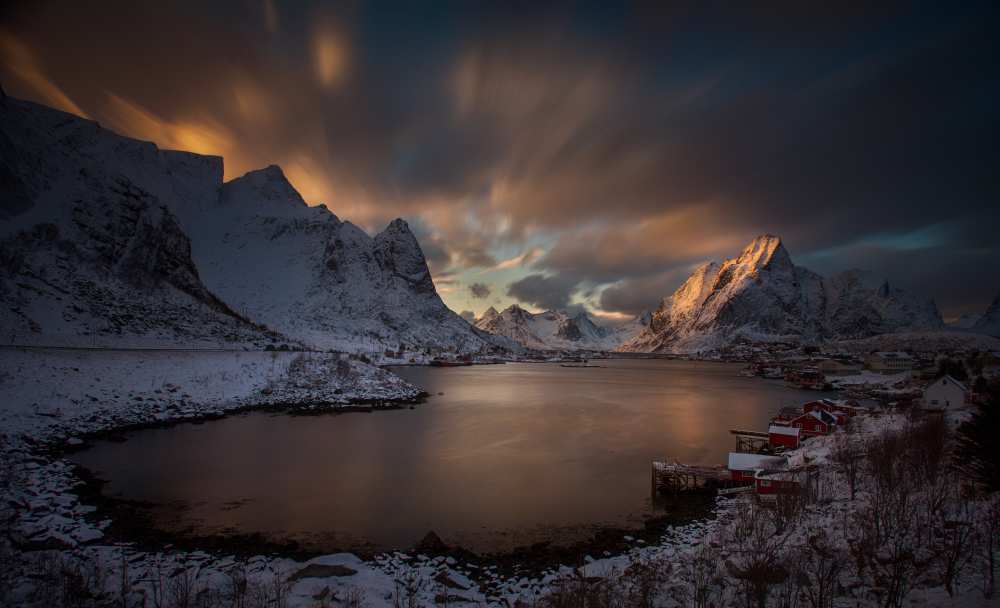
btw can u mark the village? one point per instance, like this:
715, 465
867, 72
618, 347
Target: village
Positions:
760, 464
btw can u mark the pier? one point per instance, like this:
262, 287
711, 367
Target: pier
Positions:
675, 478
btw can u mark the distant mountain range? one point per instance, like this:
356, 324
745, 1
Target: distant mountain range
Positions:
762, 295
102, 235
110, 236
558, 329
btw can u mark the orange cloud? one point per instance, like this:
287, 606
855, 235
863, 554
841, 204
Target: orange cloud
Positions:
329, 56
135, 121
22, 63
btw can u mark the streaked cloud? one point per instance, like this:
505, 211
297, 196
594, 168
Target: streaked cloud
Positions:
21, 63
562, 159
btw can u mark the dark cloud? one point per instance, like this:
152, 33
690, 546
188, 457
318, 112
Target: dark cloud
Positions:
641, 141
480, 291
468, 315
544, 292
633, 296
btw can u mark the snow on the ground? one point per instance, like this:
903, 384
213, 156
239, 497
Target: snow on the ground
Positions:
53, 391
96, 390
870, 379
923, 341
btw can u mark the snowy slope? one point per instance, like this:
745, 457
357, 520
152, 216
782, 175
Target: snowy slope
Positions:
109, 235
555, 329
87, 248
989, 323
761, 294
306, 273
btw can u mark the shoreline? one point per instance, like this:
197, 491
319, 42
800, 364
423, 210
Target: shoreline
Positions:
58, 506
131, 521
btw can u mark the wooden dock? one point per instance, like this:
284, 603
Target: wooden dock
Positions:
751, 442
674, 478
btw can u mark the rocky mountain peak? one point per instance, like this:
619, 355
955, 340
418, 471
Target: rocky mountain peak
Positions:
490, 314
267, 185
764, 251
761, 293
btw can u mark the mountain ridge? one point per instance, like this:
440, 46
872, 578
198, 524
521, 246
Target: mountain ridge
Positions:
761, 294
556, 329
108, 235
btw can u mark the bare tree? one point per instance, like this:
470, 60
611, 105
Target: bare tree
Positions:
818, 565
756, 563
848, 459
704, 578
956, 551
988, 527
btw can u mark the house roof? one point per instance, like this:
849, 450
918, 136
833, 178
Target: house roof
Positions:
947, 377
780, 475
822, 415
749, 462
778, 429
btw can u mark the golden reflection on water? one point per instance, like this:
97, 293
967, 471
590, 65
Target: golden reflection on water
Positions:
509, 455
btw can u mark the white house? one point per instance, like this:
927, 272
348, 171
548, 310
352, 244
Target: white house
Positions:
944, 393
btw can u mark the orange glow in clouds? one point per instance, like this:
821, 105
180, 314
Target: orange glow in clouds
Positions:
329, 57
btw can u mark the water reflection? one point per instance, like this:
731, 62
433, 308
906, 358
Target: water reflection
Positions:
508, 456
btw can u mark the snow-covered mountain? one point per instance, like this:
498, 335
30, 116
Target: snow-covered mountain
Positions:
304, 272
761, 294
105, 235
88, 247
989, 323
556, 329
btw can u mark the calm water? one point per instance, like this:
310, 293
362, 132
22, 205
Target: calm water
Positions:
507, 456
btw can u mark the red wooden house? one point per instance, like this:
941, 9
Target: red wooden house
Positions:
776, 482
814, 423
782, 436
843, 412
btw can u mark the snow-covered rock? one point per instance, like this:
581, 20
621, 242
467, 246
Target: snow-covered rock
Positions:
762, 295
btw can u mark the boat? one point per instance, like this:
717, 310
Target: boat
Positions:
447, 363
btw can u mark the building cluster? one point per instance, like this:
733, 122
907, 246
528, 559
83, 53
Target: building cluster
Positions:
760, 463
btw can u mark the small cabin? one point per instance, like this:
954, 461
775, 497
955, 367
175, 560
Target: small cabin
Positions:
776, 482
780, 436
786, 414
814, 423
744, 467
843, 412
945, 393
808, 378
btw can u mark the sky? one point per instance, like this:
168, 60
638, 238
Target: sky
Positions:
561, 158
